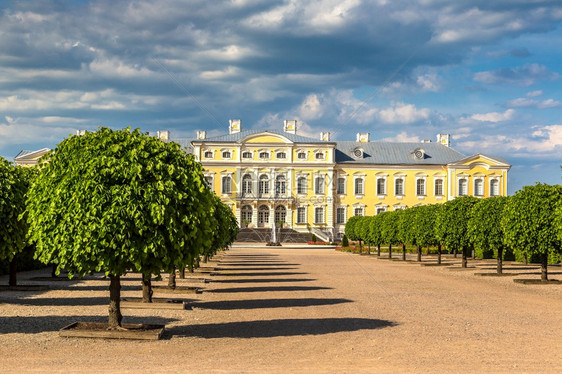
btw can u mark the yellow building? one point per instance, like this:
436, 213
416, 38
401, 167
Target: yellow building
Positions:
315, 185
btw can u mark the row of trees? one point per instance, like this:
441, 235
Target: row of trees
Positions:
528, 224
114, 202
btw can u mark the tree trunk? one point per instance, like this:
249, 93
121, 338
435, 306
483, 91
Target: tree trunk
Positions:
172, 279
369, 249
500, 260
390, 251
544, 267
360, 247
379, 250
439, 253
464, 250
427, 251
190, 268
419, 253
206, 259
146, 289
53, 271
525, 257
115, 316
13, 280
455, 253
473, 254
182, 273
403, 252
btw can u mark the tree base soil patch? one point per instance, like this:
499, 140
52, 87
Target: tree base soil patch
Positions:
436, 264
98, 330
22, 287
52, 279
193, 280
137, 303
461, 268
537, 281
178, 289
496, 274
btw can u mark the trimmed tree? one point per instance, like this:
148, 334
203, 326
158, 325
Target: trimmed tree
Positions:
485, 230
407, 224
424, 228
365, 231
375, 232
391, 230
14, 182
529, 225
350, 229
118, 201
452, 224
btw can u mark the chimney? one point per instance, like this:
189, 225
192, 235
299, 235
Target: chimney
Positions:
201, 135
325, 136
80, 132
426, 141
163, 135
444, 139
235, 126
363, 137
290, 126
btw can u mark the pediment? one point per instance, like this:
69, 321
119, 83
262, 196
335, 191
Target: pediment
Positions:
266, 138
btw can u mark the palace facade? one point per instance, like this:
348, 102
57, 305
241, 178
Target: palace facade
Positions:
315, 185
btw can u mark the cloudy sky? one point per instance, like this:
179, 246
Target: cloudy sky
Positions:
487, 72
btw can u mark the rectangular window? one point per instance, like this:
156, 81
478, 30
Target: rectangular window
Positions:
359, 186
420, 187
319, 186
340, 188
301, 215
494, 187
226, 185
209, 181
439, 187
318, 215
399, 187
340, 215
381, 183
381, 210
463, 187
358, 212
478, 187
301, 186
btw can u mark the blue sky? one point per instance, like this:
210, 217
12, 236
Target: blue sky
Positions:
487, 72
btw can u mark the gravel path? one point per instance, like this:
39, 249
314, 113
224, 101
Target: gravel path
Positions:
301, 310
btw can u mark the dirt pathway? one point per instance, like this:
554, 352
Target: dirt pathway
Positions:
301, 310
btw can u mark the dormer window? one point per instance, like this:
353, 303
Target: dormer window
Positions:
301, 155
281, 155
247, 155
264, 155
357, 153
208, 154
419, 154
226, 154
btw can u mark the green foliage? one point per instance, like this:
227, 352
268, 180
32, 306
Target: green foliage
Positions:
344, 241
115, 201
484, 227
375, 230
531, 221
390, 229
452, 222
313, 238
14, 182
407, 222
350, 228
364, 229
424, 225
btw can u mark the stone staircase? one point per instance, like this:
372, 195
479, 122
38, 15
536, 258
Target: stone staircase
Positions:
264, 236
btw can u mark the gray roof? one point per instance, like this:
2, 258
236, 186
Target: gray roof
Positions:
396, 153
229, 138
379, 153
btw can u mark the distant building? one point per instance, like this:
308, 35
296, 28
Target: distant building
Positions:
268, 176
30, 158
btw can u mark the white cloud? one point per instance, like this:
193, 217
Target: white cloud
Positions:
534, 93
403, 113
524, 75
523, 102
403, 137
229, 72
494, 116
311, 108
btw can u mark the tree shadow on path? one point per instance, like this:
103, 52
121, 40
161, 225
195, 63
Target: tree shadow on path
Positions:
267, 289
278, 327
266, 303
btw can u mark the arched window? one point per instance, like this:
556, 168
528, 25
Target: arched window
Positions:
264, 185
246, 214
319, 156
247, 154
281, 155
301, 185
226, 154
399, 186
246, 185
359, 186
264, 155
280, 214
439, 187
478, 187
319, 185
301, 156
494, 187
208, 154
463, 187
226, 185
280, 185
340, 189
420, 187
263, 215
